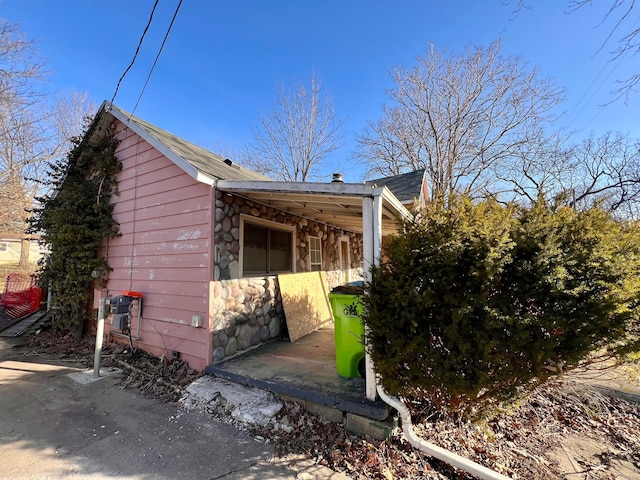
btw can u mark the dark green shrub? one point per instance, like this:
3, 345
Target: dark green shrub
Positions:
73, 221
476, 300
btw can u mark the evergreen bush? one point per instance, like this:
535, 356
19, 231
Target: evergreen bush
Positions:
475, 300
73, 220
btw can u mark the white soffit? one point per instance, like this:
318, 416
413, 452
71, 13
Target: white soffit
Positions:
338, 204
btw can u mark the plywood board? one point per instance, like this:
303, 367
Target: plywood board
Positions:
305, 301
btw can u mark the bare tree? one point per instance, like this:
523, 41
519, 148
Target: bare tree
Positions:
625, 32
536, 169
606, 170
19, 74
69, 118
292, 141
19, 67
461, 117
602, 170
244, 155
33, 136
32, 132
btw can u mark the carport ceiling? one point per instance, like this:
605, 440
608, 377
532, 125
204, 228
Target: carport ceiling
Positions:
338, 204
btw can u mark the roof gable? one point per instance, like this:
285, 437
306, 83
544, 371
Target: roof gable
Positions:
406, 187
200, 163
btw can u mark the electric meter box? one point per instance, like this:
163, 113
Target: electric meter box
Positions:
119, 304
120, 321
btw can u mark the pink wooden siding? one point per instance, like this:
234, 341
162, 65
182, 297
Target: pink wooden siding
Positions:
164, 250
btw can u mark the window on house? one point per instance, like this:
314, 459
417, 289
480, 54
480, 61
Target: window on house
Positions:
4, 247
267, 249
315, 254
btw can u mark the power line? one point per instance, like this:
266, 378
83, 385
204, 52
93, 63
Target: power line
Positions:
577, 110
175, 14
137, 50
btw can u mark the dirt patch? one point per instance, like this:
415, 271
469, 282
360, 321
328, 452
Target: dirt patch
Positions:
580, 456
564, 429
567, 428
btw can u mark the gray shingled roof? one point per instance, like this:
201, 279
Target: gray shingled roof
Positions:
200, 158
406, 186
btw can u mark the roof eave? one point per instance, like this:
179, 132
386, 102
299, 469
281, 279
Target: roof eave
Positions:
346, 189
189, 169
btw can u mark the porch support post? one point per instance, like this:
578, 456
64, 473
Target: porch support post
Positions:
372, 246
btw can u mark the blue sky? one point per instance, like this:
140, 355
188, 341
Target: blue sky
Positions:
223, 61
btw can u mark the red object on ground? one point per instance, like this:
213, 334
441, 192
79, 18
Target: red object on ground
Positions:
20, 297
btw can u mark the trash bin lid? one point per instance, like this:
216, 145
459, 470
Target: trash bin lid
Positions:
348, 289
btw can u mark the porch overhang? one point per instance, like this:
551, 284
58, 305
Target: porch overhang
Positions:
339, 204
367, 209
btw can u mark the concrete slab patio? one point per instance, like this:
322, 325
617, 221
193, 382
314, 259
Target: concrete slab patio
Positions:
304, 370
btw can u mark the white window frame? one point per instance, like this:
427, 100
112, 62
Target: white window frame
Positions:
319, 250
4, 247
269, 224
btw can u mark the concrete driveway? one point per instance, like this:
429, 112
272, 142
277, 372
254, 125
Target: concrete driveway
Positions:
53, 426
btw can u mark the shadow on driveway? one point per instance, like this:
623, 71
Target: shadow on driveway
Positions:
52, 426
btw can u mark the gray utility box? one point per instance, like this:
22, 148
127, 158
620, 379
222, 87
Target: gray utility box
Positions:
120, 321
120, 310
119, 304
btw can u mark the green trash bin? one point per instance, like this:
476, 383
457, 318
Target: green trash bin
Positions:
349, 330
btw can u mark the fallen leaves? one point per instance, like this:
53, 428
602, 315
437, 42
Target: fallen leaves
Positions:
563, 429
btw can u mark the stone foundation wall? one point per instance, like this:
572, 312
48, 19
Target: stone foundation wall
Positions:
248, 311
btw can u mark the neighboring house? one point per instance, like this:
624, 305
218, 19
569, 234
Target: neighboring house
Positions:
203, 240
11, 245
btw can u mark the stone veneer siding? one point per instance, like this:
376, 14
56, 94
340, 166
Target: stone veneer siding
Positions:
248, 311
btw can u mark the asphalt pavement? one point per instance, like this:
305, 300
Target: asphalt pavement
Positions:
57, 422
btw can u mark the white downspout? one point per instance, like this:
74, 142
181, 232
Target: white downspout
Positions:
435, 451
372, 239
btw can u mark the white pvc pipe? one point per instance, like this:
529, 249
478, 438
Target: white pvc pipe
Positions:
99, 338
435, 451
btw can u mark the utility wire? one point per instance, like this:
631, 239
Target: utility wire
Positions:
175, 14
584, 102
577, 110
137, 50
